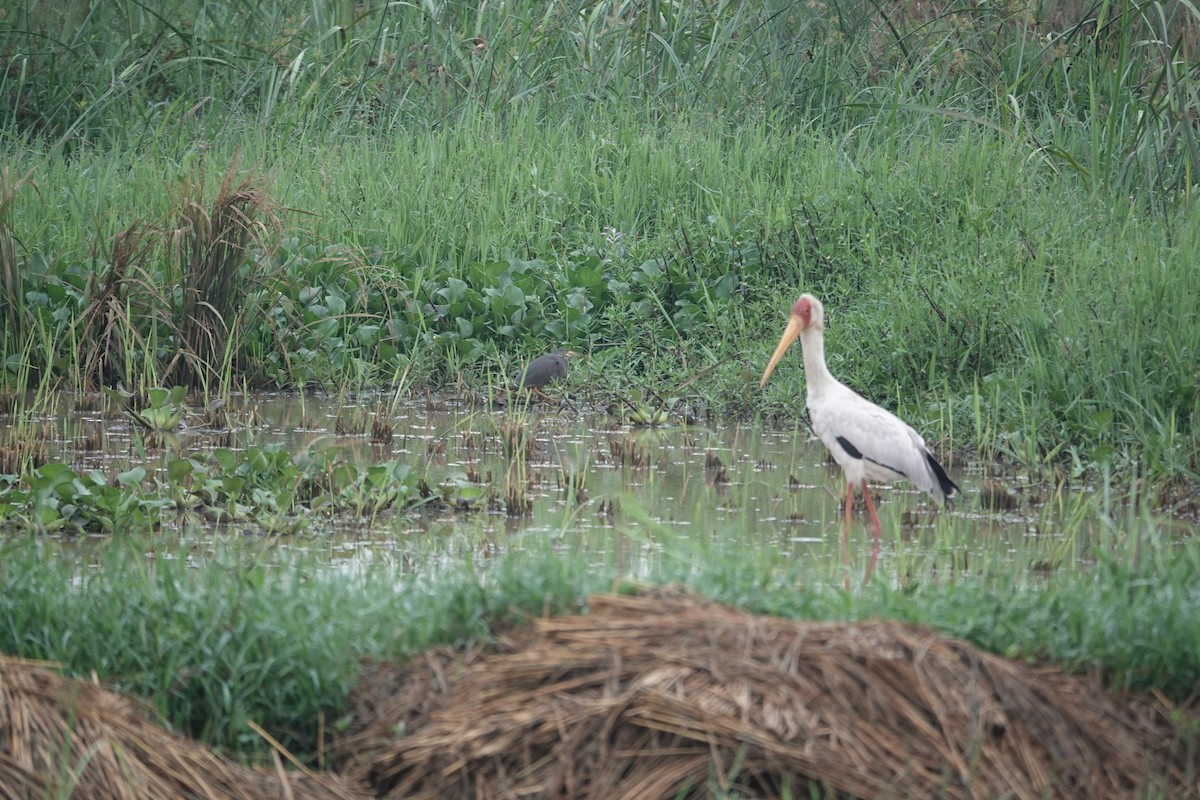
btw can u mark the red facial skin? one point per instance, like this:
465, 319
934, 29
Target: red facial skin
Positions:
802, 308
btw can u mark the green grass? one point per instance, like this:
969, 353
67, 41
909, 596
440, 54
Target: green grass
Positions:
948, 271
218, 634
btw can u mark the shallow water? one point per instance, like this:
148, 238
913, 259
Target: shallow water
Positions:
647, 492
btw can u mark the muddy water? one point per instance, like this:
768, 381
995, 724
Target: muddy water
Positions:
594, 485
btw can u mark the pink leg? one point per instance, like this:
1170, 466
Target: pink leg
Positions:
846, 534
874, 534
871, 512
849, 505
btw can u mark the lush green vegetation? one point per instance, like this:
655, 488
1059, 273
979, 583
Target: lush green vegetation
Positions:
995, 202
258, 634
262, 487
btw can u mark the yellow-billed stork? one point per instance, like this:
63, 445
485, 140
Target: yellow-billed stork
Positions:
868, 442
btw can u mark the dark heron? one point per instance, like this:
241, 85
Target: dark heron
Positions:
542, 370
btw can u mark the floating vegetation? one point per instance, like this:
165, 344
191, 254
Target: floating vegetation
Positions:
155, 410
637, 411
259, 486
648, 417
56, 498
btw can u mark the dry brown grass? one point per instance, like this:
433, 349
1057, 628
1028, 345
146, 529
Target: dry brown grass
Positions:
12, 287
67, 738
107, 329
665, 695
211, 246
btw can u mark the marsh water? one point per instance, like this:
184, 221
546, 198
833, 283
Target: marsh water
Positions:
504, 479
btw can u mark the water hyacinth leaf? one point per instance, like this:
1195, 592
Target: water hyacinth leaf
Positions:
505, 301
649, 270
344, 475
256, 459
725, 287
592, 280
157, 397
490, 274
367, 335
469, 492
55, 293
51, 474
377, 475
335, 304
470, 351
131, 477
49, 517
225, 458
400, 331
578, 300
528, 275
1102, 419
455, 291
618, 288
644, 309
179, 468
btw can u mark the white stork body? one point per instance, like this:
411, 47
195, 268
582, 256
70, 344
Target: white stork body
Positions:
868, 442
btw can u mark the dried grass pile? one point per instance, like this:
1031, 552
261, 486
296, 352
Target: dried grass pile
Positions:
661, 694
67, 738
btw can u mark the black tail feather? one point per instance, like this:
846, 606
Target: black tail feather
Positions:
949, 488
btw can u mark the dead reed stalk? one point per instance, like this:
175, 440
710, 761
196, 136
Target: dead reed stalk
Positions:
12, 286
109, 330
218, 278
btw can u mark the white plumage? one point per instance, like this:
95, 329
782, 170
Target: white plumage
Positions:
868, 442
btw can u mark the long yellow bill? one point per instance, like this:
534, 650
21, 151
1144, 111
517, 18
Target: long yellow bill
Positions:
794, 326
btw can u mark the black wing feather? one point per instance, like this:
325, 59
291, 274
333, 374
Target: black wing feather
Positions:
948, 487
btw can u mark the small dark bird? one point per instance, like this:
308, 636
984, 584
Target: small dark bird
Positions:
542, 370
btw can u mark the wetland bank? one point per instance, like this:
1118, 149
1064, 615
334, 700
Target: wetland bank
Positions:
263, 272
